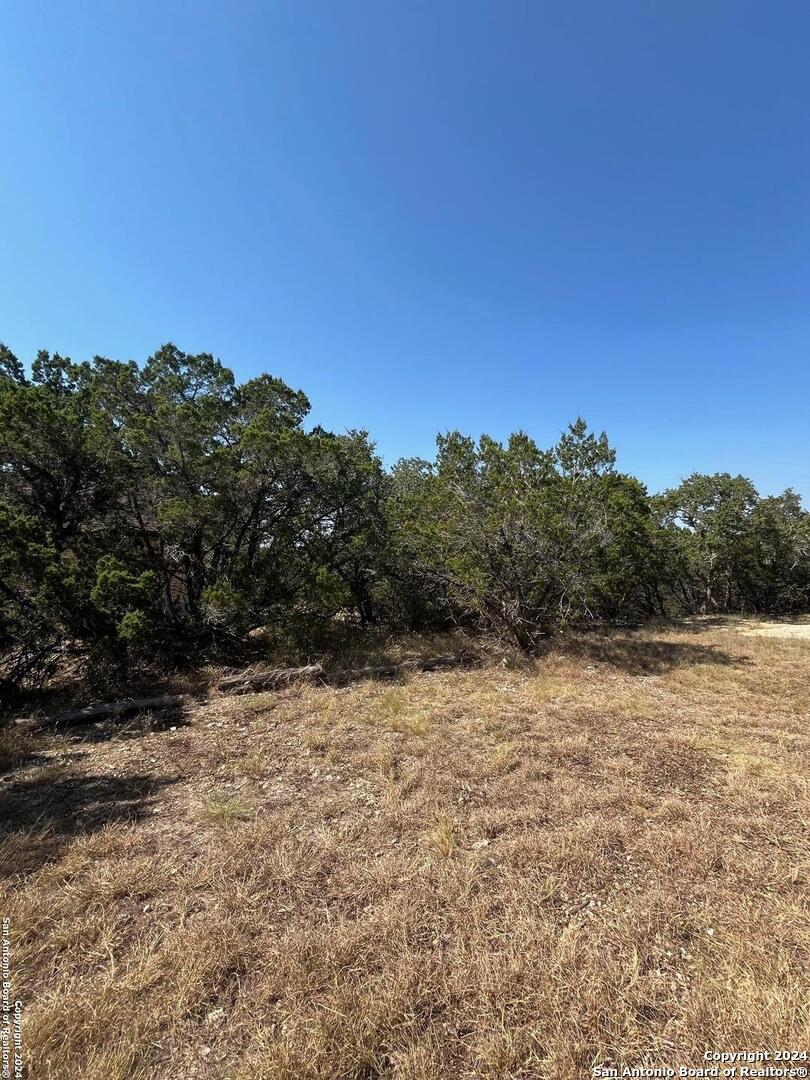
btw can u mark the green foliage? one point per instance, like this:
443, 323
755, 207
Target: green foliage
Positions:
165, 511
524, 539
737, 552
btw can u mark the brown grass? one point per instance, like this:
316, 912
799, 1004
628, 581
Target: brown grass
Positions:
516, 873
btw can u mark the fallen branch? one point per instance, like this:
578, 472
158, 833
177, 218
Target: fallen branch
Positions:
246, 681
275, 679
95, 712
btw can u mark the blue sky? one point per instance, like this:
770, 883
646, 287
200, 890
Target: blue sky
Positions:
429, 215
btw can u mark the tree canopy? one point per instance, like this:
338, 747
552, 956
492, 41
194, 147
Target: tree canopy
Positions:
164, 510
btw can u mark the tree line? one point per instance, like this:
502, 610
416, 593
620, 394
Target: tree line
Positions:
164, 512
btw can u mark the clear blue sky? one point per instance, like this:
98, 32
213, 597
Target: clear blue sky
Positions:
431, 214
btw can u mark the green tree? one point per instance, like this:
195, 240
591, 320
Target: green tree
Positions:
525, 539
166, 510
56, 486
712, 515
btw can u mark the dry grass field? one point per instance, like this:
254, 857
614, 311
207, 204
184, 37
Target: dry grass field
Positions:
517, 871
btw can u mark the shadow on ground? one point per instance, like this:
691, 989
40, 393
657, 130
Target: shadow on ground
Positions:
19, 753
127, 727
48, 812
637, 656
20, 749
698, 624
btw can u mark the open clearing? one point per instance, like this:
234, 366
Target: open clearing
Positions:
781, 629
508, 872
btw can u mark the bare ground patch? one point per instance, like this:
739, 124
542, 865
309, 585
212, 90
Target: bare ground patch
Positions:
800, 630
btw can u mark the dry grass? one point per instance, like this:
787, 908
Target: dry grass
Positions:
498, 873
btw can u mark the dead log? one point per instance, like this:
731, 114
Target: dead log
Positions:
94, 712
246, 682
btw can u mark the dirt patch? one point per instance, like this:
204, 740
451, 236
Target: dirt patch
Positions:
795, 630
